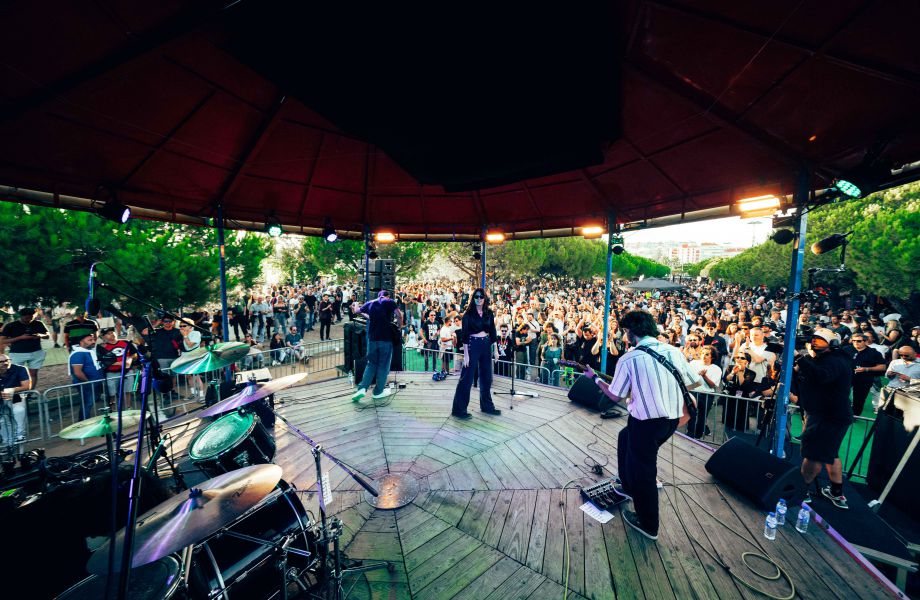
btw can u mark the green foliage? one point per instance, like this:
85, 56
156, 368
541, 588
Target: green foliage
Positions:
344, 258
695, 269
47, 253
572, 256
883, 256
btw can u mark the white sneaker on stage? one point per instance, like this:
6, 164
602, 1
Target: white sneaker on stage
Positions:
383, 394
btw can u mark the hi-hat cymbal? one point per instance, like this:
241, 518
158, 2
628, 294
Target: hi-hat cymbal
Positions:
252, 393
204, 360
191, 516
101, 425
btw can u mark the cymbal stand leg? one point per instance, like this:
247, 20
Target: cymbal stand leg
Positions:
113, 525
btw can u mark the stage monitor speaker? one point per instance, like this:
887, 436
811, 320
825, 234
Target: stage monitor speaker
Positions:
889, 444
586, 393
757, 474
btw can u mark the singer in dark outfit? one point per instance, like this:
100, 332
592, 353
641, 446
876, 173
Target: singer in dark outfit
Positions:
477, 335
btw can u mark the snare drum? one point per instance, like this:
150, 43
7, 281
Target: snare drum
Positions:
233, 441
158, 580
247, 569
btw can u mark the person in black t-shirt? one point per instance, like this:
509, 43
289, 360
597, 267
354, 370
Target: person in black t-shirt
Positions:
868, 365
379, 345
310, 300
430, 333
166, 343
13, 380
325, 317
505, 348
25, 337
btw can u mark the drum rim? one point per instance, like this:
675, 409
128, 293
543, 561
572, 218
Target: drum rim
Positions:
253, 421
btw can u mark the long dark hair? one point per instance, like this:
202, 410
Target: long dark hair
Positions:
472, 305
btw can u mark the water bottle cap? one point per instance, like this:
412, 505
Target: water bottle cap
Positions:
772, 514
781, 501
805, 506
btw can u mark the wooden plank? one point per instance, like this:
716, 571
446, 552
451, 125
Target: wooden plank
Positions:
415, 537
486, 472
486, 583
620, 561
464, 476
504, 474
478, 511
445, 539
467, 570
526, 478
453, 505
516, 535
555, 551
493, 533
536, 546
427, 572
377, 546
574, 524
689, 577
550, 590
439, 480
519, 586
598, 578
654, 578
533, 464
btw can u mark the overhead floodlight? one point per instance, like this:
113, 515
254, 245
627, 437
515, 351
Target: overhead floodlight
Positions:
495, 237
759, 204
111, 209
616, 244
477, 255
592, 232
862, 180
273, 226
385, 237
829, 243
329, 232
372, 254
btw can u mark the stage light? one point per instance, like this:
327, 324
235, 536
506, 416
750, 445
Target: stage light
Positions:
477, 255
782, 236
829, 243
273, 226
329, 232
385, 237
372, 254
112, 209
495, 237
616, 244
759, 206
862, 180
592, 232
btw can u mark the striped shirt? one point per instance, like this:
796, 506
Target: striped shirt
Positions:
652, 391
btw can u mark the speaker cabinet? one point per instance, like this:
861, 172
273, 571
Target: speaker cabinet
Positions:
586, 393
889, 444
757, 474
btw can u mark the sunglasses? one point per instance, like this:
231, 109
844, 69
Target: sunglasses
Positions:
904, 355
858, 341
478, 297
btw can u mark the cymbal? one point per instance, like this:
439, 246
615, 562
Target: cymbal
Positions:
204, 360
101, 425
191, 516
252, 393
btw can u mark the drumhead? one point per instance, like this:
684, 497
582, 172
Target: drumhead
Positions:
154, 581
221, 435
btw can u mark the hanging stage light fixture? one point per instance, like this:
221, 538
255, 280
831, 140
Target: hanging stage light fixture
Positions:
329, 232
273, 226
112, 209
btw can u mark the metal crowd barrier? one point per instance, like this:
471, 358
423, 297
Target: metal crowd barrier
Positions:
425, 359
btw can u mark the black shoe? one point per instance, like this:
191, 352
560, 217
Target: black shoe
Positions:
463, 416
630, 518
491, 411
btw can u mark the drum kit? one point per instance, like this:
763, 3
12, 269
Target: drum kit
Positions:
243, 533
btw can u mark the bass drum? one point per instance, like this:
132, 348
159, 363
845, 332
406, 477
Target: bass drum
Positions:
235, 440
158, 580
247, 569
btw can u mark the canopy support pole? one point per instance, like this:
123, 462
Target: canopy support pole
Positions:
802, 189
611, 227
482, 258
367, 263
224, 319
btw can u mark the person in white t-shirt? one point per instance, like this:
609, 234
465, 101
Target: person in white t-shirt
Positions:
446, 342
761, 359
706, 366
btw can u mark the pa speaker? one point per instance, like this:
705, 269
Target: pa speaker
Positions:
890, 443
586, 393
757, 474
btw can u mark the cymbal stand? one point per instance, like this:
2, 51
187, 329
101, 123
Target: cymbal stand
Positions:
331, 529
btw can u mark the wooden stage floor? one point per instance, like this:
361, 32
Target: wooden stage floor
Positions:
488, 522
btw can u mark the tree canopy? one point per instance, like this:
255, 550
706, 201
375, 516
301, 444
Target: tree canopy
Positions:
47, 253
883, 256
570, 256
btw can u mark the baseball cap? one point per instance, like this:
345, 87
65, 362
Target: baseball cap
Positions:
106, 330
826, 334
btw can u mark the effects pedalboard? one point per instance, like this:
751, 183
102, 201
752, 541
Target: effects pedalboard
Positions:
603, 494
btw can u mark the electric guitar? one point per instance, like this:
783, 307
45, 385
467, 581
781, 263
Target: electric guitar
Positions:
578, 365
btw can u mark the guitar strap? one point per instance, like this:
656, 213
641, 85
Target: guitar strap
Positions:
689, 401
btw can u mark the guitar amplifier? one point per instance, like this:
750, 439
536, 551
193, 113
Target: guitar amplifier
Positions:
586, 393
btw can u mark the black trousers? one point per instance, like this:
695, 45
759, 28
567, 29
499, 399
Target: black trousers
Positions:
860, 393
481, 357
637, 458
324, 329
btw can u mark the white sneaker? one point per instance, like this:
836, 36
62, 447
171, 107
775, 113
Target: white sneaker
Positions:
383, 394
275, 363
359, 394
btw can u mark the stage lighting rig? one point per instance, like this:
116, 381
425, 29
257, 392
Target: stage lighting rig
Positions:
329, 232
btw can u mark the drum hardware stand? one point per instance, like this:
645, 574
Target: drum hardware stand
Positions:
331, 529
152, 464
282, 547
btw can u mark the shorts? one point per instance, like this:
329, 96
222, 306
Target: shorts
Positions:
111, 382
29, 360
821, 439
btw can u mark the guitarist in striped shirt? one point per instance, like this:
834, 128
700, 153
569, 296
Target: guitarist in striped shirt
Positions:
656, 404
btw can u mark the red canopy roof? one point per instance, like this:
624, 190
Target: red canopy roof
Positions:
178, 105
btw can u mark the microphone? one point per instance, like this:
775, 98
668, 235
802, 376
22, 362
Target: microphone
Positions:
90, 304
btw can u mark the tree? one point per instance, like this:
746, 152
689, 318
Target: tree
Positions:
47, 253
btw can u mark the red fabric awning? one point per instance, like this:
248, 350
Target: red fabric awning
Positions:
719, 100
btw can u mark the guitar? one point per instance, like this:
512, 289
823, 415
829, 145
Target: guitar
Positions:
578, 365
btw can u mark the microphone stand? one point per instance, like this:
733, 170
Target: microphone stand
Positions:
512, 392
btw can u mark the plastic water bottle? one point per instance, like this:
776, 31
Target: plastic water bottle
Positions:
351, 378
801, 524
781, 512
769, 528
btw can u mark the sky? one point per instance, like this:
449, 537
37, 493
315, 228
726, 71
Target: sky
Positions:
730, 230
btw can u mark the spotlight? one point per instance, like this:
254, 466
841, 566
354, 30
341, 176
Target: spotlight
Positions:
592, 232
372, 253
113, 210
273, 226
829, 243
616, 243
862, 180
495, 237
782, 236
329, 232
477, 255
385, 237
759, 206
